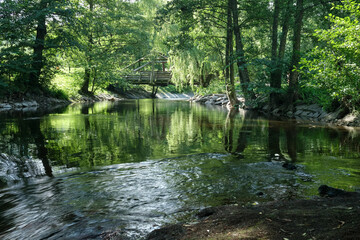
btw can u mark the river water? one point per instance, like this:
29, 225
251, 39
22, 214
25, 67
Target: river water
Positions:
133, 166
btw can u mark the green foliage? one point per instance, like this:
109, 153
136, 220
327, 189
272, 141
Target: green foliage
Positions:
19, 26
213, 88
68, 81
192, 36
310, 94
334, 64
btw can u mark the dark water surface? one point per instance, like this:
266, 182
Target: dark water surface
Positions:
136, 165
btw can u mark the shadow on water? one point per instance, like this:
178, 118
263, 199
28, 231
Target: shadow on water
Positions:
135, 165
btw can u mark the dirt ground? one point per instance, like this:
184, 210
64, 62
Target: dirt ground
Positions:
319, 218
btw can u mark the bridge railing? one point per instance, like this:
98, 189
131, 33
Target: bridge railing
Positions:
150, 77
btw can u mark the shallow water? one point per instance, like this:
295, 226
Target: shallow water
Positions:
136, 165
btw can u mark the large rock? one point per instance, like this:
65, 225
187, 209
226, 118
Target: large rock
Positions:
172, 232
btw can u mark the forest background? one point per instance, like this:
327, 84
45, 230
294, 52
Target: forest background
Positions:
276, 51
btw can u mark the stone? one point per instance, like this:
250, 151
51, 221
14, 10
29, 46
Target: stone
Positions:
302, 107
334, 115
317, 114
289, 166
29, 109
5, 105
323, 115
18, 105
314, 108
30, 104
298, 112
276, 110
172, 232
349, 118
305, 113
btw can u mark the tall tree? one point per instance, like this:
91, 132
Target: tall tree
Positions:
295, 59
26, 44
275, 79
111, 34
89, 46
240, 53
278, 49
332, 67
229, 76
39, 45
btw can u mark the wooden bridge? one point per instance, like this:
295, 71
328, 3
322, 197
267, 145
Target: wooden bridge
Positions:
153, 78
150, 71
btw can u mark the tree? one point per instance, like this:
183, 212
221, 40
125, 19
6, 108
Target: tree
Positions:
28, 40
295, 59
194, 35
334, 63
240, 55
112, 33
39, 45
278, 50
229, 53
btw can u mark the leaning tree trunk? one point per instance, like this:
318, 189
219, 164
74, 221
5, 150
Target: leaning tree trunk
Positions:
229, 73
294, 65
241, 62
39, 46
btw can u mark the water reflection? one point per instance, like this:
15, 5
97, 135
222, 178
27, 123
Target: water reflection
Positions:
134, 165
275, 153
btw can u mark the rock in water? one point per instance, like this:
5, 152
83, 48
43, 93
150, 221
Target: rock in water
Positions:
289, 166
172, 232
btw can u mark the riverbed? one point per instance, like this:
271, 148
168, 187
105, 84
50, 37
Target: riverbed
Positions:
133, 166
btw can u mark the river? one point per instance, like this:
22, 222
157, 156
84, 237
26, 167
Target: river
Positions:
133, 166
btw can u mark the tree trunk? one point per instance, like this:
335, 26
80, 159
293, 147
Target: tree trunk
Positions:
85, 85
294, 74
285, 30
38, 61
229, 73
240, 56
87, 75
275, 76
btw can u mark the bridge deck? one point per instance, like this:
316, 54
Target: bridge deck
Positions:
156, 78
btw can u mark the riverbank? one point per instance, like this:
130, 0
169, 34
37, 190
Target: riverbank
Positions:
318, 218
31, 102
302, 112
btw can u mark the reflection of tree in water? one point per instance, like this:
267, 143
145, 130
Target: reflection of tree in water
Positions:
237, 130
27, 140
96, 135
21, 133
275, 152
40, 142
291, 140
